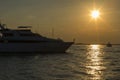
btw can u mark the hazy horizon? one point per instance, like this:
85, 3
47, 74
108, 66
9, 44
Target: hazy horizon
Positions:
69, 18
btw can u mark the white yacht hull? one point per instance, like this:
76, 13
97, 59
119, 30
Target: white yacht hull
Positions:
41, 47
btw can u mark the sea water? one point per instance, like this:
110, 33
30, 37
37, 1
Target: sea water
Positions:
81, 62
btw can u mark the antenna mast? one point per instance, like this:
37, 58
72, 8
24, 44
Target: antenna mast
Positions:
52, 32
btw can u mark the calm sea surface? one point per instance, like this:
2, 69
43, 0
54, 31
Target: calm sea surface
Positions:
81, 62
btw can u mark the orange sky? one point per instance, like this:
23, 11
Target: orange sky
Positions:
69, 18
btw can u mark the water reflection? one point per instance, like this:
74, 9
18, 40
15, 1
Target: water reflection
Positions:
94, 62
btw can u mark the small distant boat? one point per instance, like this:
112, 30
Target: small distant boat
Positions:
109, 44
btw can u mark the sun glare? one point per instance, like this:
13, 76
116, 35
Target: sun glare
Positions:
95, 14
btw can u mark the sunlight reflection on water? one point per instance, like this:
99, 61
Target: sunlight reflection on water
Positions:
95, 62
82, 62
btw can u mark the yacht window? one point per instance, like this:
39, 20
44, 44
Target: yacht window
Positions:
8, 34
27, 35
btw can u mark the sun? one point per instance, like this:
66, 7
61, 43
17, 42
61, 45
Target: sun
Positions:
95, 14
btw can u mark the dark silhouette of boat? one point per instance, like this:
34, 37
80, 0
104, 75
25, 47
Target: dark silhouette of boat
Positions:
24, 40
109, 44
